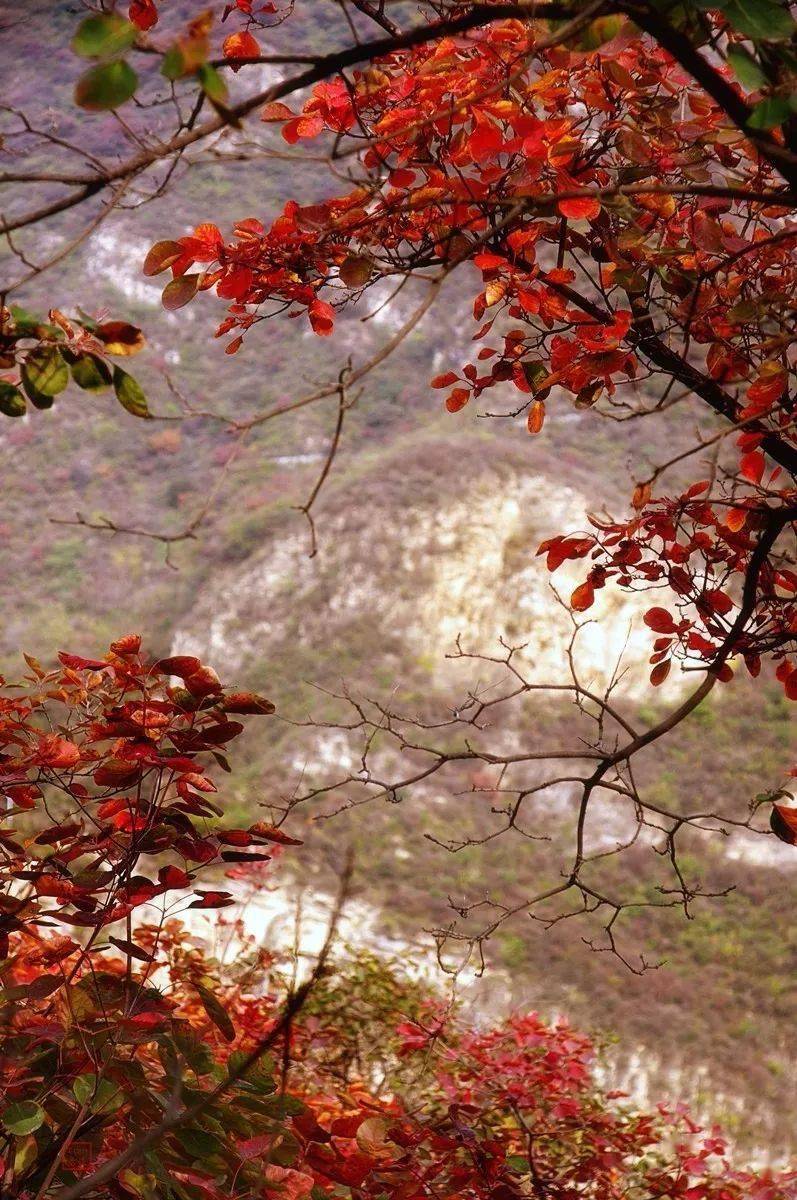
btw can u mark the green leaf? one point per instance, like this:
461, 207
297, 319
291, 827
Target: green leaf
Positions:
600, 31
91, 373
198, 1142
761, 20
173, 65
286, 1151
129, 393
281, 1107
27, 323
23, 1117
25, 1155
212, 83
99, 1096
45, 371
193, 1049
38, 399
216, 1011
104, 36
535, 372
769, 113
260, 1074
746, 69
106, 86
12, 402
143, 1185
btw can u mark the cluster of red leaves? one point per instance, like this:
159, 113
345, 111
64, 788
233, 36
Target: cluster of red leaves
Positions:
239, 277
145, 15
479, 148
105, 761
107, 1028
699, 550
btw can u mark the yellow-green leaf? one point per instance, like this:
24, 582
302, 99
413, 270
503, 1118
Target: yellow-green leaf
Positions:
129, 393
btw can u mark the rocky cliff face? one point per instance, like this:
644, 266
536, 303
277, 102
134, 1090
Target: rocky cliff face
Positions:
422, 570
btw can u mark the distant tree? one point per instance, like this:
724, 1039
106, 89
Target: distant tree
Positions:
137, 1066
621, 176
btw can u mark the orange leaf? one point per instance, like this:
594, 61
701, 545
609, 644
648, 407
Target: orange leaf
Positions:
275, 111
583, 597
751, 466
322, 317
641, 495
457, 399
57, 752
241, 45
536, 416
581, 208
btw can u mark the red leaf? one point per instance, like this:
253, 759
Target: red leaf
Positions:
143, 14
201, 850
116, 772
783, 822
445, 380
255, 1146
173, 877
128, 646
57, 833
213, 900
247, 702
132, 949
203, 682
659, 620
271, 833
790, 686
660, 672
180, 665
241, 856
76, 663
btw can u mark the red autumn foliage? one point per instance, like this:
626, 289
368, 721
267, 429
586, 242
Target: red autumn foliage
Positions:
95, 1043
624, 216
135, 1065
